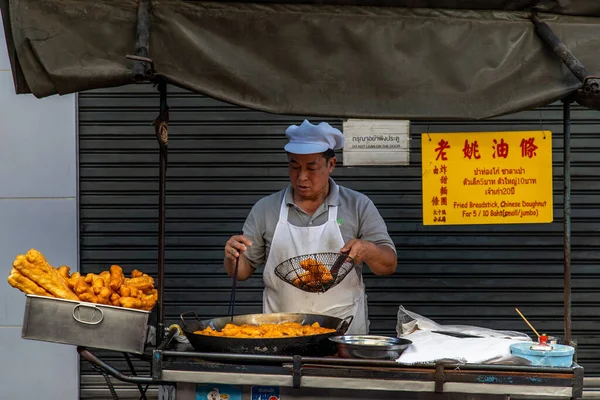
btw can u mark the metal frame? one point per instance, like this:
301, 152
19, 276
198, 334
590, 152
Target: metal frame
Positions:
567, 217
171, 367
143, 69
168, 365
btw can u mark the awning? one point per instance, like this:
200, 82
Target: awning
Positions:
449, 59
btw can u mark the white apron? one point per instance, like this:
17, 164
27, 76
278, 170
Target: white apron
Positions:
346, 299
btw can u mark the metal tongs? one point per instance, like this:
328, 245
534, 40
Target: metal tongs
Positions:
234, 285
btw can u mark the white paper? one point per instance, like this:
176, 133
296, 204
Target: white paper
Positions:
376, 142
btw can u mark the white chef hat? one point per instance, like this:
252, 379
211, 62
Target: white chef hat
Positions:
310, 139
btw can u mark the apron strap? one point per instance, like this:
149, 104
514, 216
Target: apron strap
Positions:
333, 212
283, 211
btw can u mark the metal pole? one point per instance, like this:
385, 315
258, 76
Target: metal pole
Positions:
162, 134
559, 48
142, 70
567, 216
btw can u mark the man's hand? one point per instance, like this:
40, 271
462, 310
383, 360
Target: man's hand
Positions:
359, 250
234, 248
381, 260
235, 245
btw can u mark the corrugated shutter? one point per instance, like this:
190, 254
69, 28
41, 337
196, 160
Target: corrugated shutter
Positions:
224, 158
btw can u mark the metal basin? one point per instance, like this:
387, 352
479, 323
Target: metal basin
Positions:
369, 346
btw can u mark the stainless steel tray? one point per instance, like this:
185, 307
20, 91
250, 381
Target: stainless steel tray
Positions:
85, 324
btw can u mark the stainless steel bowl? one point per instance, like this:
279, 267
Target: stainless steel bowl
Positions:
369, 346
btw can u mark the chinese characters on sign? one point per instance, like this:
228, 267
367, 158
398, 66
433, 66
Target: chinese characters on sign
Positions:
487, 178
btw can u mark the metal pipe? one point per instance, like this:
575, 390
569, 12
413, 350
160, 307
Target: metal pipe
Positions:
591, 382
162, 134
91, 358
132, 369
559, 48
142, 70
567, 216
240, 358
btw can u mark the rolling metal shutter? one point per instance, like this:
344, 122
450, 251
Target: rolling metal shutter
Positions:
224, 158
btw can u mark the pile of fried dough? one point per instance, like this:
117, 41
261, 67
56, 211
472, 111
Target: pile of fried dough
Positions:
315, 275
284, 329
32, 274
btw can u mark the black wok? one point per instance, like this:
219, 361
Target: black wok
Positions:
313, 345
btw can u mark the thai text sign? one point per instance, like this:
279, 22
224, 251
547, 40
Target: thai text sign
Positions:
376, 142
487, 178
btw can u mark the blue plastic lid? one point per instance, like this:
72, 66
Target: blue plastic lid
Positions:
558, 350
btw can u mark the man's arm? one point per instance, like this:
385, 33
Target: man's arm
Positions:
249, 247
372, 244
382, 259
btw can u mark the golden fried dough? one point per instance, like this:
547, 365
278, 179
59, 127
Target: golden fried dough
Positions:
125, 291
90, 278
105, 293
63, 271
285, 329
38, 260
143, 282
98, 285
105, 275
32, 274
116, 277
148, 301
25, 284
81, 287
114, 299
51, 282
136, 274
73, 279
130, 302
315, 275
88, 297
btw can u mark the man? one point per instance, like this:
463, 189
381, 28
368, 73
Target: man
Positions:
313, 215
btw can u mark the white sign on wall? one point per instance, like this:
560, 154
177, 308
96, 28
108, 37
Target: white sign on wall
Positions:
376, 142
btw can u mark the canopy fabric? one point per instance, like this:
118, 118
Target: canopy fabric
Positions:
312, 59
567, 7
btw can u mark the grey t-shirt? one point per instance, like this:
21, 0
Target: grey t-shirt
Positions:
357, 216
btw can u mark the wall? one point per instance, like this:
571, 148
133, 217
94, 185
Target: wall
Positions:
38, 208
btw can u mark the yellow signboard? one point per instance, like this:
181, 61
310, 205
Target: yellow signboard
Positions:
487, 178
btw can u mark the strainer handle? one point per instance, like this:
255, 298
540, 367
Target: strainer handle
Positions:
345, 324
339, 261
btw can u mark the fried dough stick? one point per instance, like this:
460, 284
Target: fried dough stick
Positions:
49, 281
144, 282
116, 277
38, 260
25, 284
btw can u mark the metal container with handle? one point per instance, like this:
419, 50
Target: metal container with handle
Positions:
313, 345
77, 323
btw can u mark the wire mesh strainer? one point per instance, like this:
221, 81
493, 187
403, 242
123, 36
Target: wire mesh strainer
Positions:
315, 272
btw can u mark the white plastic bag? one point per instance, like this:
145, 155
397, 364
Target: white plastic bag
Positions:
430, 347
409, 322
